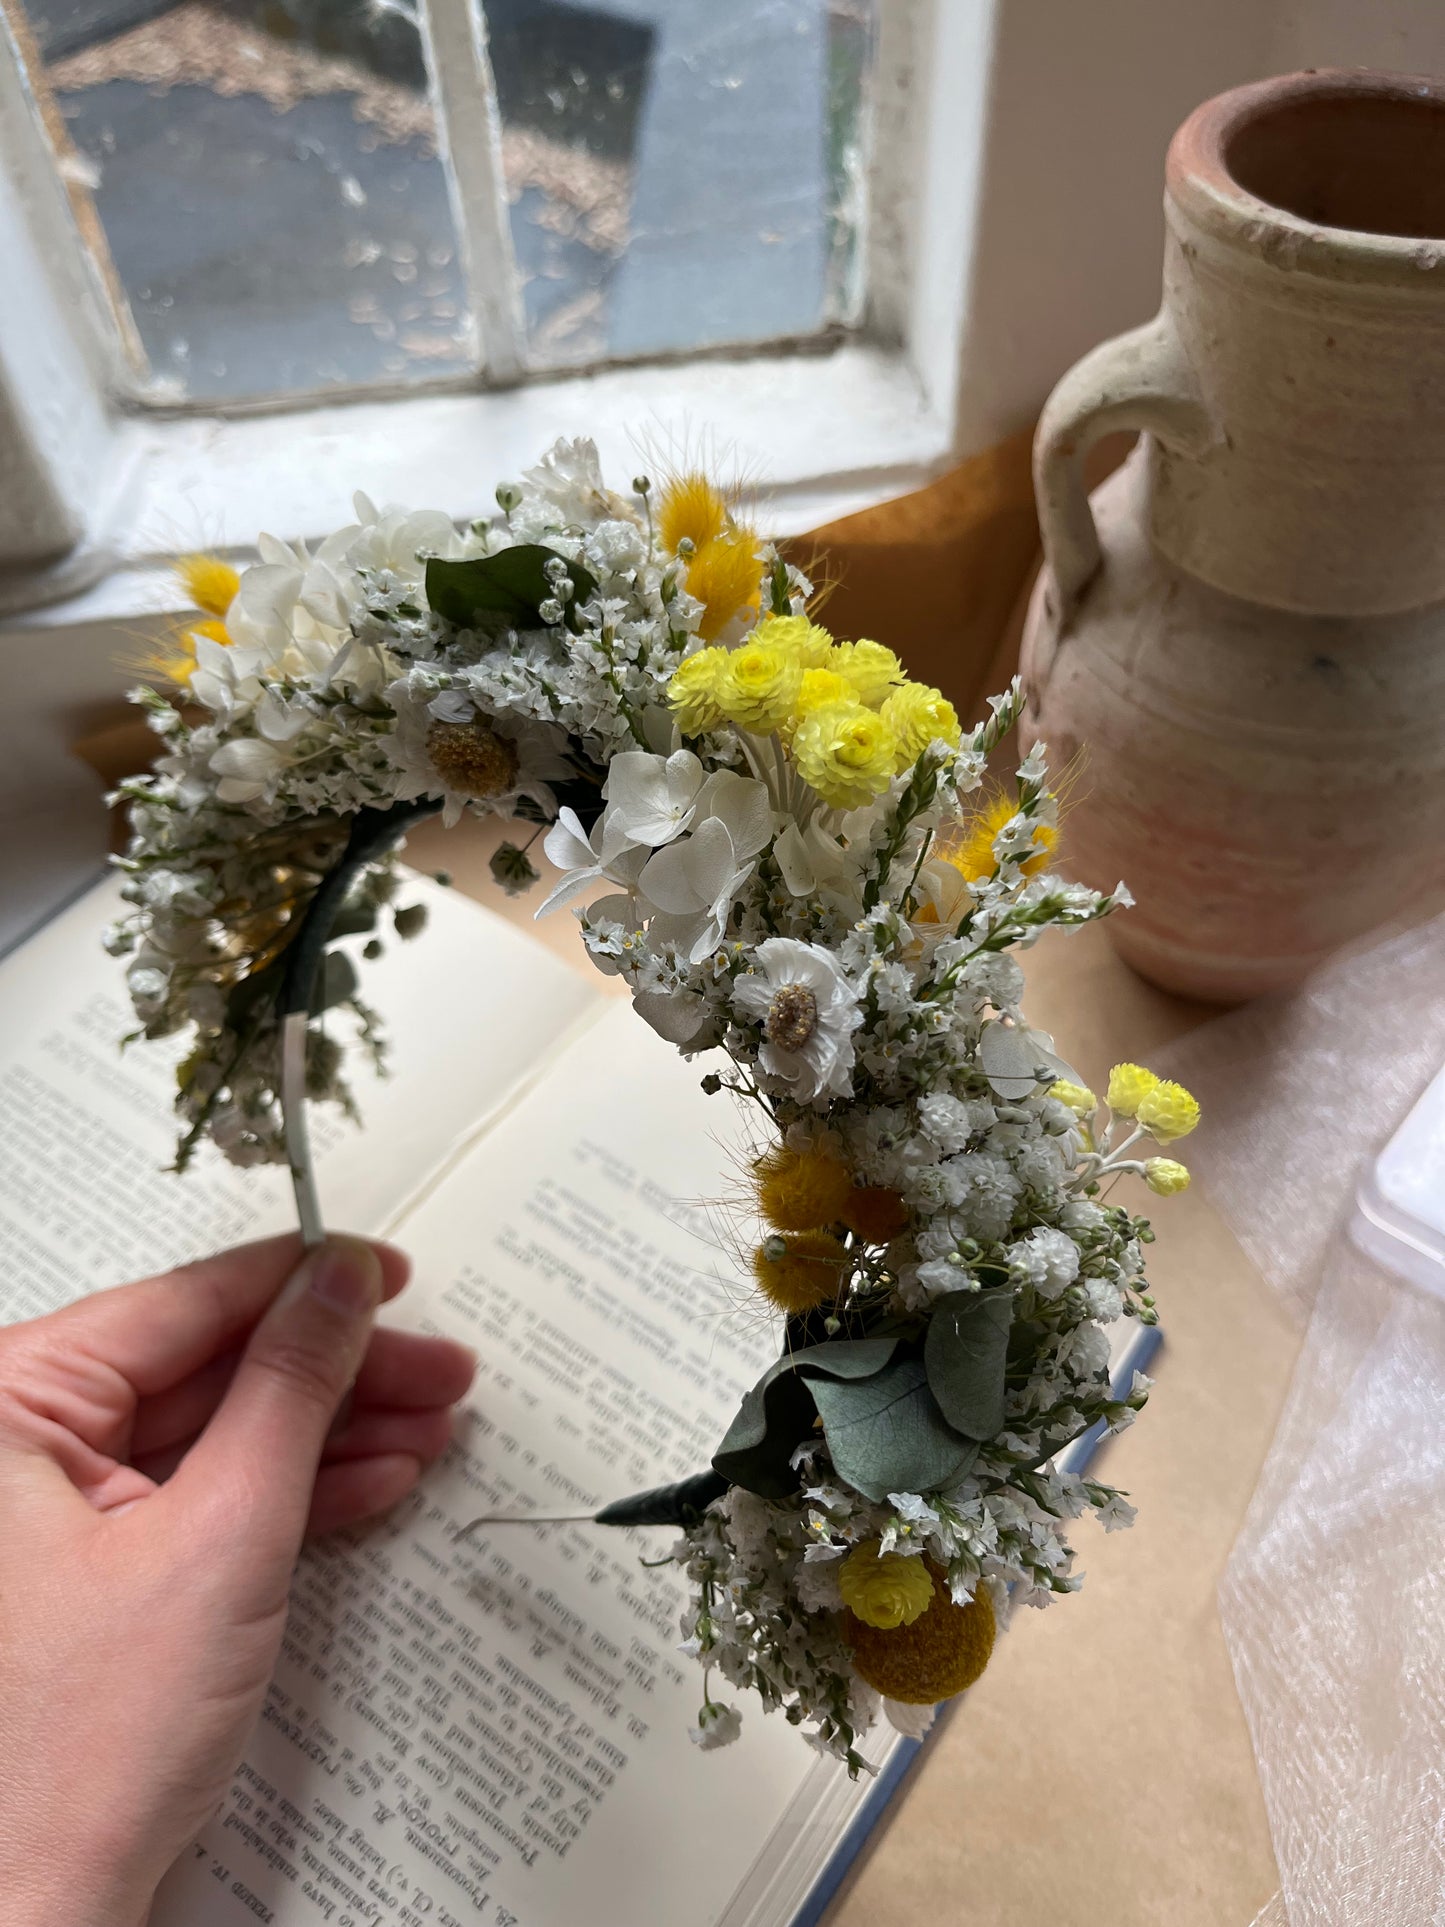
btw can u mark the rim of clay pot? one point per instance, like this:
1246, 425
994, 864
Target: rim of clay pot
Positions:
1335, 173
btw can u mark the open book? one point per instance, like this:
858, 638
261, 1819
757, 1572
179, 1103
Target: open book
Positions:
493, 1730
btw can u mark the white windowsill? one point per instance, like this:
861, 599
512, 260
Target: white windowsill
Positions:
819, 436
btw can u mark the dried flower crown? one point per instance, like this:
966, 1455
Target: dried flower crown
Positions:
789, 851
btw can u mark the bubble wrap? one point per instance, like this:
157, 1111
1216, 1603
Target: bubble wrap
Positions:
1333, 1602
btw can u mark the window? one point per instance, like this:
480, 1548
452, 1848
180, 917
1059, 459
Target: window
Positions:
291, 199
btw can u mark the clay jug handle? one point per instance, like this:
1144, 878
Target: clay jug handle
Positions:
1138, 380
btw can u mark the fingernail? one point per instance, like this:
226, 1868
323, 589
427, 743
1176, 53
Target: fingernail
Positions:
346, 1275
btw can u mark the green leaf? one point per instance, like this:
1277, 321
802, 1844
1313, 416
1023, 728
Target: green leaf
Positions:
886, 1434
966, 1356
353, 918
502, 591
779, 1412
772, 1422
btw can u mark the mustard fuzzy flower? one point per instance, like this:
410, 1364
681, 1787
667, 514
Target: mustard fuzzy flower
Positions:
726, 577
1129, 1085
846, 752
918, 715
1165, 1177
692, 509
873, 671
758, 685
800, 1272
1078, 1097
802, 1190
884, 1589
972, 854
1167, 1111
693, 692
875, 1213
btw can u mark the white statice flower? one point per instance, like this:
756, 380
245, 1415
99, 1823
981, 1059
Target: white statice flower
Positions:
716, 1726
913, 1722
1116, 1513
809, 1013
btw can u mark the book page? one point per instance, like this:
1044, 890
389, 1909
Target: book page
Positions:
495, 1729
469, 1010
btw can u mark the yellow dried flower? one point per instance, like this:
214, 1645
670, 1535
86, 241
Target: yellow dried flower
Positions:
873, 671
176, 659
726, 577
797, 1273
940, 1654
918, 715
758, 685
1164, 1176
875, 1213
692, 693
810, 644
884, 1589
692, 509
802, 1190
1167, 1111
846, 752
971, 854
1129, 1085
209, 582
1078, 1097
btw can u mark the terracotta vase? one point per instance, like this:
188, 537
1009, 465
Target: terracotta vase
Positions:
1244, 631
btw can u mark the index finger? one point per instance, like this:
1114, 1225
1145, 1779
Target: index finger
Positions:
158, 1331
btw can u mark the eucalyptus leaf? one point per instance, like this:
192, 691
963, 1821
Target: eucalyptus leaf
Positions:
886, 1434
354, 918
502, 591
966, 1358
778, 1414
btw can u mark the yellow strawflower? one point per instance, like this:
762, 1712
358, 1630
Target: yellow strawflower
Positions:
1167, 1111
1129, 1085
884, 1589
917, 715
802, 1190
726, 577
971, 854
758, 685
209, 582
1079, 1098
800, 1272
873, 671
810, 644
819, 686
691, 509
1165, 1177
846, 752
692, 693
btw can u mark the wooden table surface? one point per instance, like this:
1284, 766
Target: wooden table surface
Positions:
1101, 1770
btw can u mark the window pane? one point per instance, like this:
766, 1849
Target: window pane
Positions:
682, 173
266, 178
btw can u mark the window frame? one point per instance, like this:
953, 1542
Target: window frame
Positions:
821, 425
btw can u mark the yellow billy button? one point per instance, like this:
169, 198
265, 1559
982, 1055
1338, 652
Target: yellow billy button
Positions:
931, 1657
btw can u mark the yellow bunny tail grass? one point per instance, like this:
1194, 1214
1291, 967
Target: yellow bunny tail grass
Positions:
210, 583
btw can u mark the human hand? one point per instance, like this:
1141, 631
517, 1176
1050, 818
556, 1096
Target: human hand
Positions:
163, 1449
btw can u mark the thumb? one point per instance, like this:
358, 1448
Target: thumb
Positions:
256, 1462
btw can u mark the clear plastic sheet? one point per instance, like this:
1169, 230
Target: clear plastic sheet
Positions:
1333, 1602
